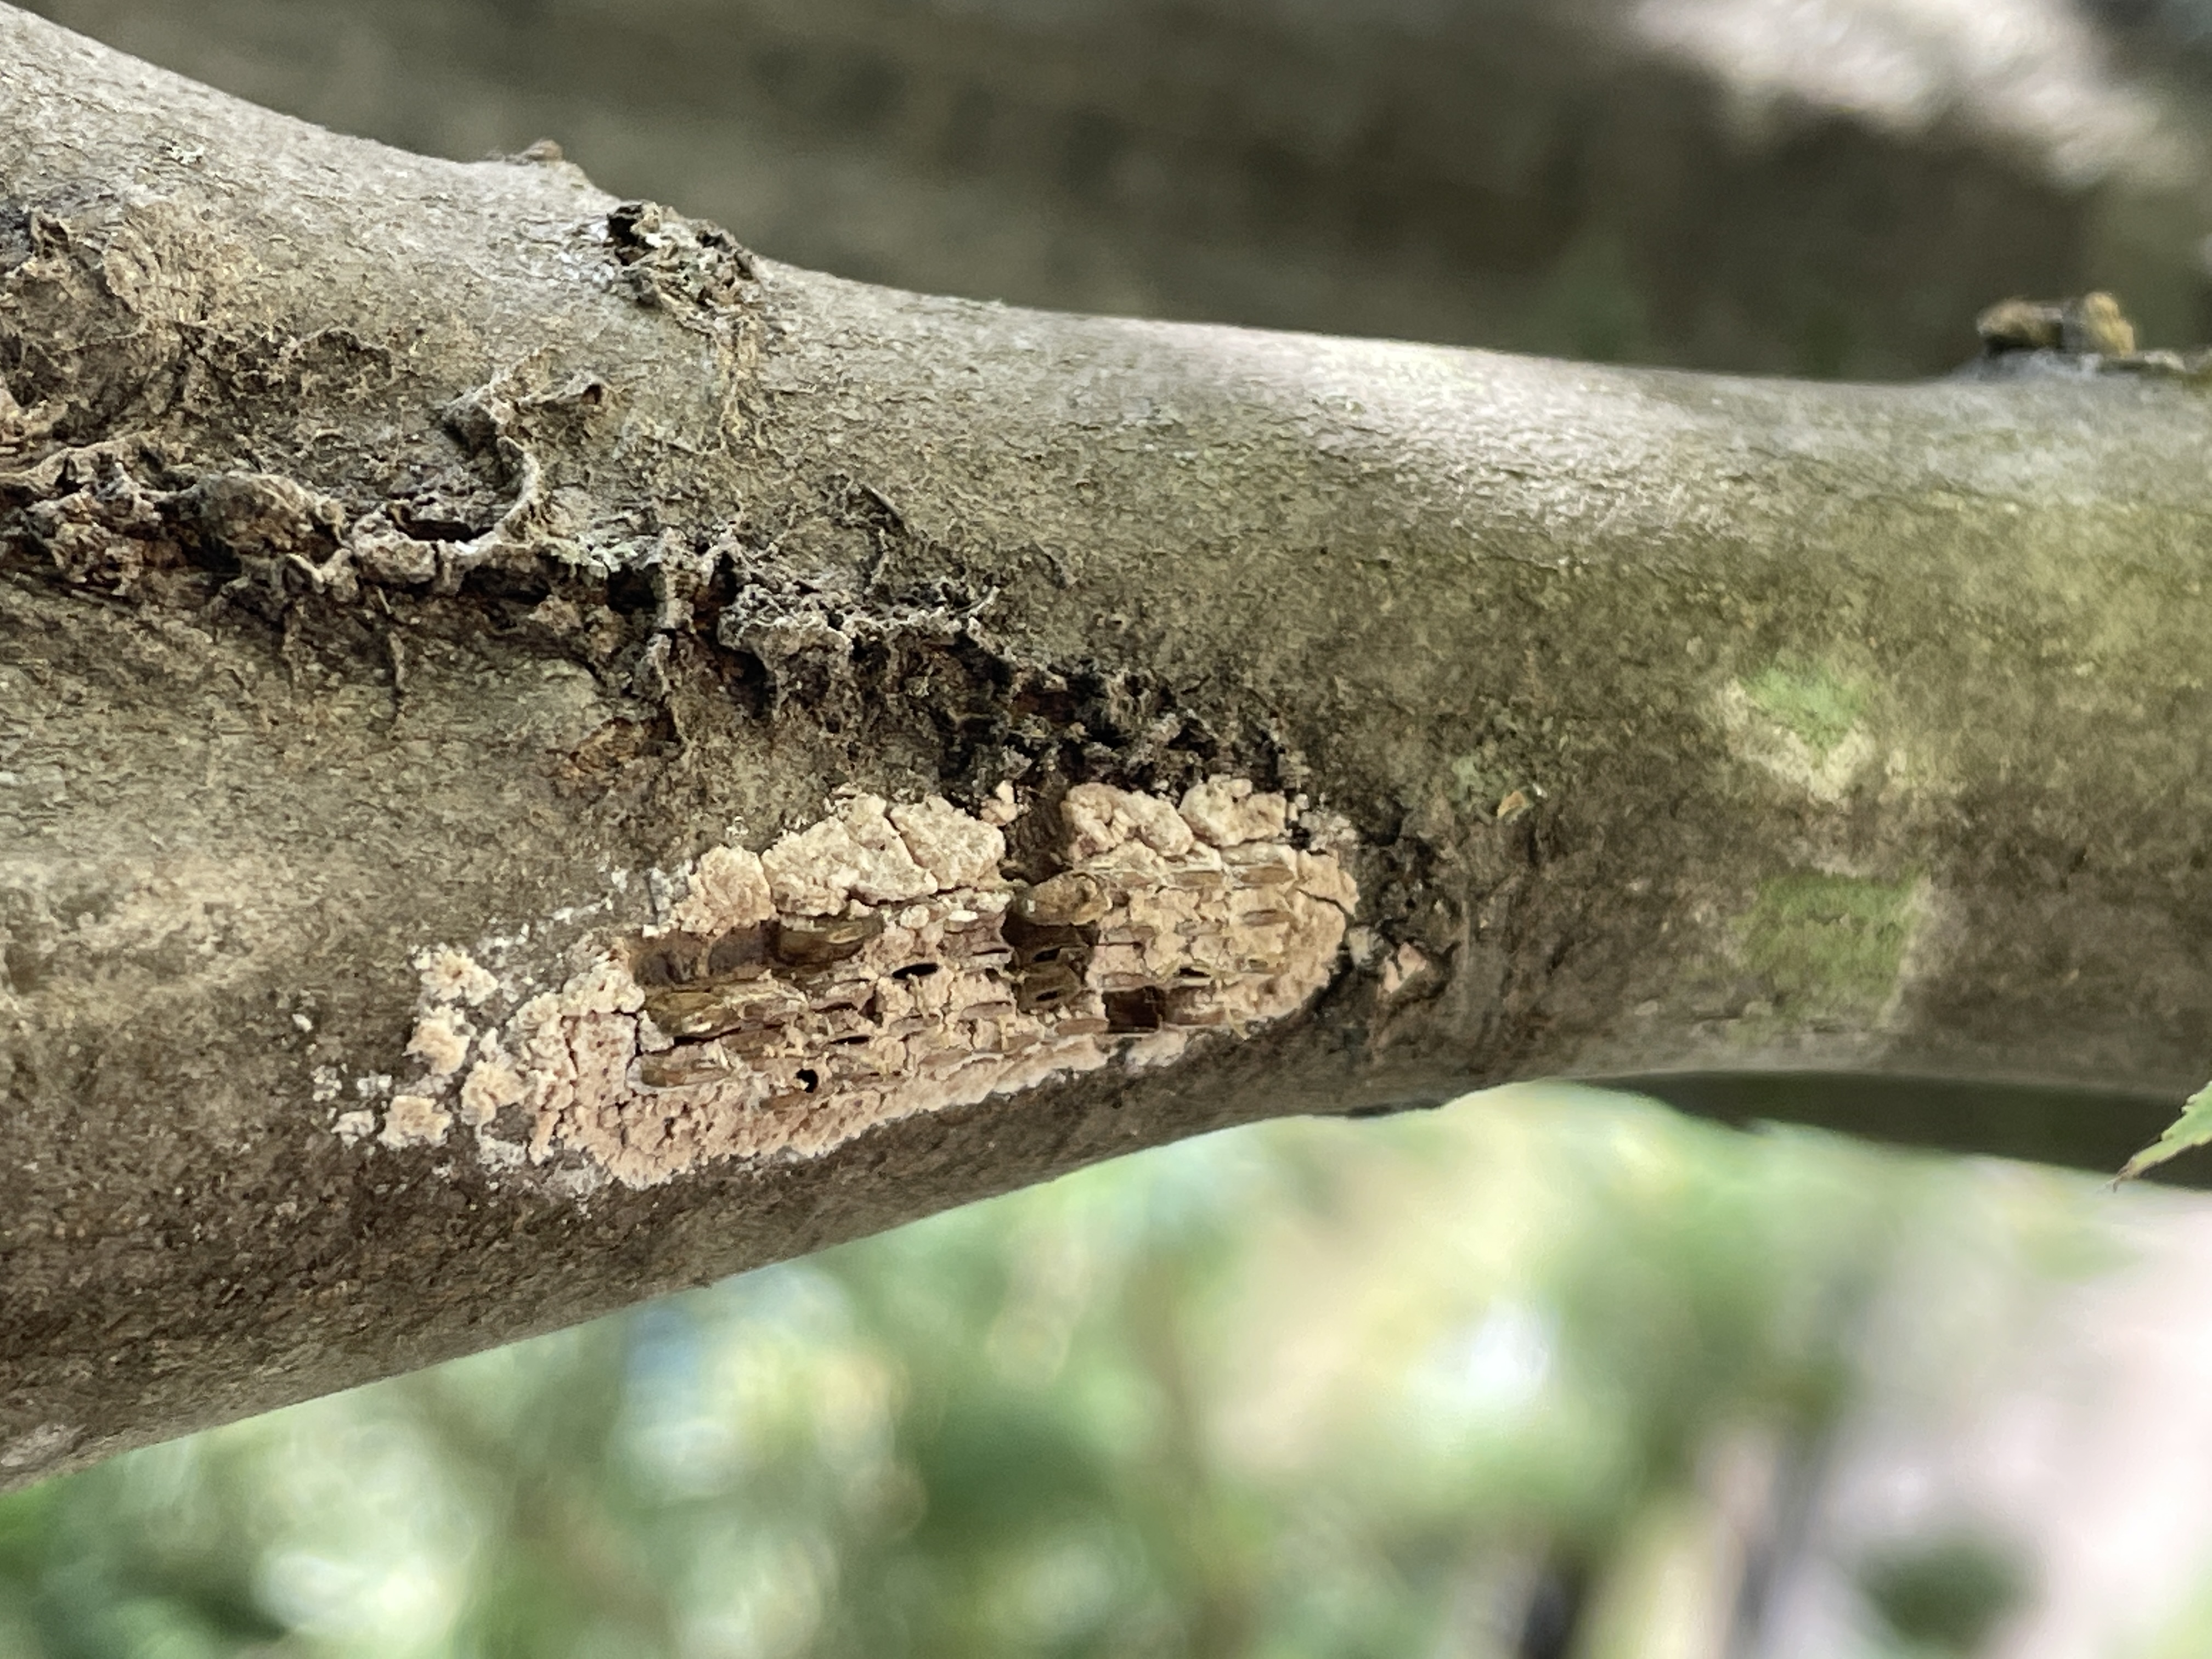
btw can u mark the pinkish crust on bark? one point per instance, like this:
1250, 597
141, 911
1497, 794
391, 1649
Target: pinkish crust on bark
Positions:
876, 965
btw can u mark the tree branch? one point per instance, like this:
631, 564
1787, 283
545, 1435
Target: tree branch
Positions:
544, 759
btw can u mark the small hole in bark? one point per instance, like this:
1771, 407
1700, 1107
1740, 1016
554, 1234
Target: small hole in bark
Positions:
630, 591
1135, 1010
672, 964
807, 1079
914, 971
518, 587
818, 941
743, 951
212, 556
427, 524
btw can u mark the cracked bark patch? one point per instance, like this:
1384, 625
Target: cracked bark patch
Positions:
876, 965
135, 459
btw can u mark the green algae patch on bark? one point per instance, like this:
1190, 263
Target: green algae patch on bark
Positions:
1828, 944
1803, 723
1821, 707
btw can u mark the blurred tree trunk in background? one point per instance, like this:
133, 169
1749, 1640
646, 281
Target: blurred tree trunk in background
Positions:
1829, 189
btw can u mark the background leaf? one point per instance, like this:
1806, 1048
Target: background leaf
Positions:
2193, 1128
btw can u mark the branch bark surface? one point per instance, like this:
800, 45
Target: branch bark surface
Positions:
398, 554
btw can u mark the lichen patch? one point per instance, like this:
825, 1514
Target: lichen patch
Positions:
878, 963
1821, 707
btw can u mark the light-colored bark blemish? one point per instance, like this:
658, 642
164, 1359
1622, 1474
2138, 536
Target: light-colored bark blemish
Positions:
1407, 966
877, 964
36, 1448
1477, 785
133, 929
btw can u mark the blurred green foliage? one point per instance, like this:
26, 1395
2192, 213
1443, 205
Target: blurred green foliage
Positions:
1947, 1594
1314, 1388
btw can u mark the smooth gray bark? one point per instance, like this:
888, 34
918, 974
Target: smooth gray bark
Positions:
397, 554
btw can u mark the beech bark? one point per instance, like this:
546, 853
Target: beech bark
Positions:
398, 554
